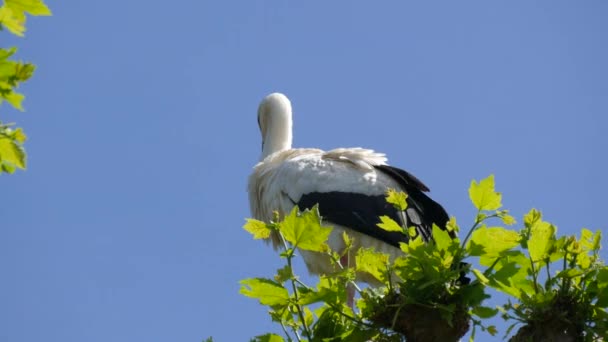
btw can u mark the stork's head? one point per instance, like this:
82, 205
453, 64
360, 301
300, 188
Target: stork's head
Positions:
274, 119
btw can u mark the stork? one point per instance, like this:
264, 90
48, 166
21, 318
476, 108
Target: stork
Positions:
349, 184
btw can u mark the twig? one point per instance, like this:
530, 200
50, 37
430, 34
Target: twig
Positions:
295, 290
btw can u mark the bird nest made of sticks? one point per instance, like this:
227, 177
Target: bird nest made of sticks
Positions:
420, 322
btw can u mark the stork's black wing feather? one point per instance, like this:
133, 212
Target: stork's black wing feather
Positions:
356, 211
418, 202
361, 212
404, 178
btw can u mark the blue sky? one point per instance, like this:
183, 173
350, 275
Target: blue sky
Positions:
142, 125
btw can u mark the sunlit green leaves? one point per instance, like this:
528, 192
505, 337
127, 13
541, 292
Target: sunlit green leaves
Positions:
484, 312
590, 241
483, 195
481, 277
532, 266
452, 226
283, 274
442, 239
389, 224
12, 154
268, 338
329, 290
510, 278
258, 229
266, 291
397, 198
12, 13
531, 218
601, 282
492, 242
304, 230
508, 219
542, 237
32, 7
372, 262
12, 73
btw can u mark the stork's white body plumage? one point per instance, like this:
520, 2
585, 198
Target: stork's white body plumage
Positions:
281, 179
346, 182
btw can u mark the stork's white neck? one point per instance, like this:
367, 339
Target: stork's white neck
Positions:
274, 115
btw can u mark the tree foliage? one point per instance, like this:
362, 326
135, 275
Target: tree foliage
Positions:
557, 287
12, 74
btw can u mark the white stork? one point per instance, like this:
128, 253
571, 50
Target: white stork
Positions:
349, 184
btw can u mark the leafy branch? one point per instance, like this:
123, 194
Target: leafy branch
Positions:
424, 294
12, 74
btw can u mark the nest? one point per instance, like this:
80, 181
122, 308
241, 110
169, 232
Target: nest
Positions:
420, 323
562, 321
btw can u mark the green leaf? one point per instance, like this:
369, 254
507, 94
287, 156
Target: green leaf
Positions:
12, 73
267, 291
602, 277
304, 230
511, 271
257, 228
442, 238
359, 334
452, 226
268, 338
557, 251
479, 275
597, 237
590, 241
493, 241
23, 71
483, 195
12, 13
412, 232
348, 241
329, 290
532, 217
372, 262
11, 21
397, 198
508, 219
6, 167
492, 330
32, 7
308, 316
509, 278
570, 273
11, 153
19, 136
542, 237
583, 261
389, 225
602, 298
6, 53
330, 326
484, 312
474, 294
15, 99
283, 274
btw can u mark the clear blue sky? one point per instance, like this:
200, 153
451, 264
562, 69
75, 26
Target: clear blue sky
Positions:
142, 125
